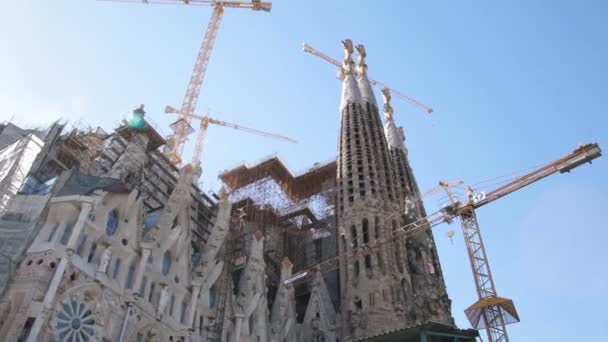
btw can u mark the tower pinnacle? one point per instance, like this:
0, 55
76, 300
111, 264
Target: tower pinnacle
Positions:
367, 93
361, 66
348, 63
394, 135
350, 90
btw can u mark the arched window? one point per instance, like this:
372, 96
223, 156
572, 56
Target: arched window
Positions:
151, 294
353, 235
212, 294
251, 324
166, 263
130, 276
365, 228
112, 222
380, 261
358, 303
368, 262
53, 232
116, 268
377, 227
92, 252
182, 317
398, 258
81, 242
142, 287
67, 232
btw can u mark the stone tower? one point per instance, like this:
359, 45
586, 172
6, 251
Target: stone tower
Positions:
427, 294
379, 285
366, 197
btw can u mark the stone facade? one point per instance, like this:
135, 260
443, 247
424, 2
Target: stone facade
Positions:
96, 271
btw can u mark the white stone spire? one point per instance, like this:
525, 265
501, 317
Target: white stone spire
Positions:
395, 136
283, 316
365, 87
251, 287
350, 89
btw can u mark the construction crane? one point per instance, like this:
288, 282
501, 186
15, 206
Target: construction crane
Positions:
206, 120
308, 48
182, 126
490, 312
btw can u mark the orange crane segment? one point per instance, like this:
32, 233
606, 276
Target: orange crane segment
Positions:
308, 48
204, 125
182, 126
254, 5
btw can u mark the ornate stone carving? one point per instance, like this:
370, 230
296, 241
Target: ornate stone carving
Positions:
361, 54
104, 260
348, 63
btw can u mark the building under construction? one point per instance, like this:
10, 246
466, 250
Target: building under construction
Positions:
108, 239
105, 236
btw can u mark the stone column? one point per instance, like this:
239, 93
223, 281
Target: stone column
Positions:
49, 297
146, 249
196, 289
238, 327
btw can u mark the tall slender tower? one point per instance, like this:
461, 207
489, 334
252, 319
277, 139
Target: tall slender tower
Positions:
428, 295
379, 285
366, 198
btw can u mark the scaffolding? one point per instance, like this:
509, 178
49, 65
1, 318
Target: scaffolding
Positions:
16, 161
294, 211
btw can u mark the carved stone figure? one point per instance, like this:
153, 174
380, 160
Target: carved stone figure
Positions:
162, 302
104, 260
362, 66
410, 208
347, 65
386, 99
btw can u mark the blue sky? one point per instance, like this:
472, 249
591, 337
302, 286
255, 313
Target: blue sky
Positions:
513, 84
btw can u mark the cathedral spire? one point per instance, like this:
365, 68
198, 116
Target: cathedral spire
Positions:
365, 87
395, 136
350, 90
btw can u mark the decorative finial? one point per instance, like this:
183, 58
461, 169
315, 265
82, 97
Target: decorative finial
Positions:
348, 63
386, 98
223, 193
137, 119
286, 262
140, 110
361, 66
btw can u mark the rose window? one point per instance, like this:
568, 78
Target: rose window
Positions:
75, 323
